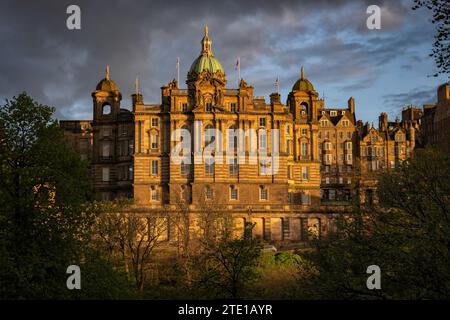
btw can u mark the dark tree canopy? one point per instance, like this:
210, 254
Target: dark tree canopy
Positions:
45, 215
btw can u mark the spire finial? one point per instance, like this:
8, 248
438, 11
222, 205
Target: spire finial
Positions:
136, 85
107, 72
206, 43
302, 73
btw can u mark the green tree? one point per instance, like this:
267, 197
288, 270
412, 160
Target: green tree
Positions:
45, 220
408, 237
226, 266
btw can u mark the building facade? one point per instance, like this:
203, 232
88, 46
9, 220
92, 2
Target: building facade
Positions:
289, 168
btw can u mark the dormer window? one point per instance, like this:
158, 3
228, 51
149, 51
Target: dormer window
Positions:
333, 113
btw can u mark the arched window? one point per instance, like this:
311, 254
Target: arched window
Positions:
262, 139
106, 109
232, 138
209, 135
304, 108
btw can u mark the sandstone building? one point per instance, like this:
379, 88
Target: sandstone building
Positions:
326, 159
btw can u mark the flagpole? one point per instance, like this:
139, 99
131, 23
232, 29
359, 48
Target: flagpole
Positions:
136, 85
239, 69
178, 72
277, 85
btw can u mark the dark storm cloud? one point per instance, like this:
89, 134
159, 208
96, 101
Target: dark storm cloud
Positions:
61, 67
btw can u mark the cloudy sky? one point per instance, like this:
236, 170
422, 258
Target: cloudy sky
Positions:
383, 69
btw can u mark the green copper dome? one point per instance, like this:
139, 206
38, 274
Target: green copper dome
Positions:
303, 84
209, 63
206, 60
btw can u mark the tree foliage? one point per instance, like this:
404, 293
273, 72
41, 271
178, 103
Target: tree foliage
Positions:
45, 215
441, 18
408, 237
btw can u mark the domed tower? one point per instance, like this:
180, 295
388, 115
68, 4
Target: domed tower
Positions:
106, 99
302, 99
111, 157
206, 78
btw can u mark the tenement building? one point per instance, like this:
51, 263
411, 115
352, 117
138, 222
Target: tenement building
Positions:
289, 168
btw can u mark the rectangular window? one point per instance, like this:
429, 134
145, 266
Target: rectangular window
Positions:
264, 168
233, 193
263, 193
208, 107
304, 132
184, 168
262, 122
345, 123
305, 198
262, 140
233, 167
209, 166
105, 149
209, 193
184, 107
155, 122
233, 107
154, 167
232, 139
349, 145
105, 174
154, 138
154, 194
305, 173
289, 172
304, 149
327, 180
341, 180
